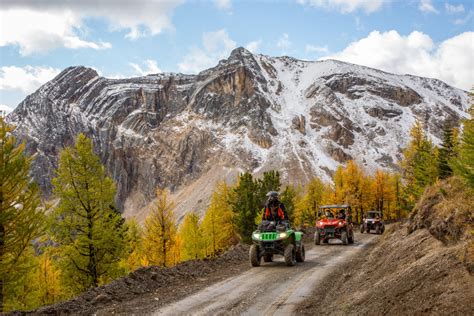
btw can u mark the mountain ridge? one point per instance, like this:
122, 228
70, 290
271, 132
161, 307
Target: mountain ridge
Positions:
249, 112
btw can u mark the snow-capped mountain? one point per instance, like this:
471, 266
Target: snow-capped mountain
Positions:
250, 112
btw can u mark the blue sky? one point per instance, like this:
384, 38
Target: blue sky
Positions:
123, 38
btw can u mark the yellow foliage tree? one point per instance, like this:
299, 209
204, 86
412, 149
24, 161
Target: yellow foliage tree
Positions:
160, 231
383, 193
307, 207
218, 224
352, 187
47, 278
192, 238
134, 237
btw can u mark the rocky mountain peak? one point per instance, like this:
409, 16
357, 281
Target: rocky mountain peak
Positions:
250, 112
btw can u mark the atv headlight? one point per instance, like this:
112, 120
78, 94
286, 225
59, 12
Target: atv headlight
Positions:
282, 235
340, 223
256, 236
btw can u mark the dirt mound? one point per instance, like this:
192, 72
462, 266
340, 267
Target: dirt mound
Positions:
446, 209
403, 274
163, 285
423, 266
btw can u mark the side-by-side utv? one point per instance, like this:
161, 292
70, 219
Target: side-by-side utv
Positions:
334, 222
372, 221
272, 239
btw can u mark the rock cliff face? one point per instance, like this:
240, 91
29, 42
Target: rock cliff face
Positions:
250, 112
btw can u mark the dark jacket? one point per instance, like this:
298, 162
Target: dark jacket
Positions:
280, 213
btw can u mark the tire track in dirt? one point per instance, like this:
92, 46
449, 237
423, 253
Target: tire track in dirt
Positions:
271, 289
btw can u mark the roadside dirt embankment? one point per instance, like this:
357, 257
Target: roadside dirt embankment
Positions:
422, 266
147, 288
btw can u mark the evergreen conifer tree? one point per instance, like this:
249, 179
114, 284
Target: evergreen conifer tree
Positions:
88, 228
21, 221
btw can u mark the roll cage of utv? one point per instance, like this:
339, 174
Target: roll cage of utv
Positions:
334, 222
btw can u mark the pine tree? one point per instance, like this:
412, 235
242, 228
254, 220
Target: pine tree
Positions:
397, 186
290, 197
218, 225
88, 229
446, 153
21, 221
418, 164
192, 238
269, 182
160, 231
134, 240
245, 204
463, 165
20, 292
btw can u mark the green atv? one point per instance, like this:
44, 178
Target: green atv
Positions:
271, 239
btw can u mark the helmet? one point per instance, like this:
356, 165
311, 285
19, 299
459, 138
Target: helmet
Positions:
272, 198
273, 194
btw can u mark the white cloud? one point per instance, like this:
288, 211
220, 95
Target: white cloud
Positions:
316, 49
223, 4
38, 26
216, 46
26, 79
346, 6
427, 7
453, 9
253, 46
151, 67
464, 20
450, 61
5, 109
43, 31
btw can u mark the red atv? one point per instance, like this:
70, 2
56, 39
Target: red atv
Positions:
334, 222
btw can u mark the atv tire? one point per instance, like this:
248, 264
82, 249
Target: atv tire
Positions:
300, 254
253, 256
290, 255
350, 238
268, 258
317, 238
326, 240
361, 229
344, 238
383, 230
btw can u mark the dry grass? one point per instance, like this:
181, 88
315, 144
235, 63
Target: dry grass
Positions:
446, 210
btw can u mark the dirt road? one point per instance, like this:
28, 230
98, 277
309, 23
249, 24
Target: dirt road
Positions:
271, 289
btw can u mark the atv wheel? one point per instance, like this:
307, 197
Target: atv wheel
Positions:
326, 240
317, 238
350, 238
300, 254
290, 256
253, 256
268, 258
361, 229
344, 238
383, 229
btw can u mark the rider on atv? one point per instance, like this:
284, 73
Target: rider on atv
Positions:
274, 210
